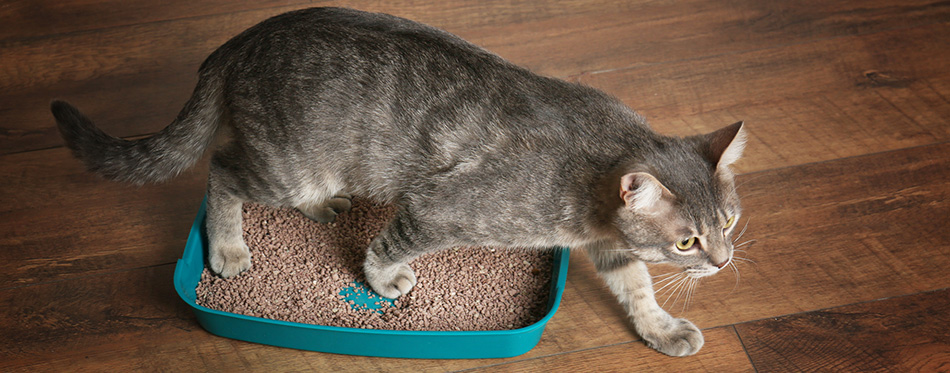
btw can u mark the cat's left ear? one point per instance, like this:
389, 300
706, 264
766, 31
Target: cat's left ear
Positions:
644, 193
725, 145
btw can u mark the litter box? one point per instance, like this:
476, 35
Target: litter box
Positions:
354, 341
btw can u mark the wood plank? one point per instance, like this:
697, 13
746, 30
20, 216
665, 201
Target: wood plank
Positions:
157, 61
55, 321
905, 334
723, 352
58, 221
632, 34
804, 103
31, 19
36, 18
749, 22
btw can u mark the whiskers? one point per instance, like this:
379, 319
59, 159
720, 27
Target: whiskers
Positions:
676, 285
742, 232
737, 249
740, 247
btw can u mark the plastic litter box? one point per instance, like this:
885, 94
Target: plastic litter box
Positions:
354, 341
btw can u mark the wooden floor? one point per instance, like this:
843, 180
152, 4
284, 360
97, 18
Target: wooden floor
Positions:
846, 179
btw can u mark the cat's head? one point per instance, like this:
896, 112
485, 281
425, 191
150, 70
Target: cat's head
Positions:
679, 204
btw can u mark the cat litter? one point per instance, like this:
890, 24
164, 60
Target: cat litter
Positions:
306, 290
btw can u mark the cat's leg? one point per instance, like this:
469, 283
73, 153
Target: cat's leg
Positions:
228, 255
631, 282
326, 211
386, 266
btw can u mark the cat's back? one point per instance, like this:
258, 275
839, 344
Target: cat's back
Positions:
408, 77
314, 34
332, 17
391, 101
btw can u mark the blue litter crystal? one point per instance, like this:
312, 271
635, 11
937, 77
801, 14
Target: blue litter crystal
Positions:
364, 298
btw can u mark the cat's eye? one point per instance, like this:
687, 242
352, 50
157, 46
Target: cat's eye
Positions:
686, 244
730, 222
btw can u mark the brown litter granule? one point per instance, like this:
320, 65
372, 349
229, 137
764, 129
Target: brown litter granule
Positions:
300, 268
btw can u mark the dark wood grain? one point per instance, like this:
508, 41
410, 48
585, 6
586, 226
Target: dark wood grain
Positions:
51, 318
904, 334
21, 19
803, 103
60, 222
622, 35
723, 353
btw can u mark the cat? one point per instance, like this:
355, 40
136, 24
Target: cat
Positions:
317, 105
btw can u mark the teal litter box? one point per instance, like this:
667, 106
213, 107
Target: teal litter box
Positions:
353, 341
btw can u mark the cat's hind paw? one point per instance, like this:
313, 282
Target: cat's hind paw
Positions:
229, 261
326, 212
680, 338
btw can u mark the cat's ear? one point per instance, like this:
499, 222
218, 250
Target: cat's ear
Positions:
643, 192
725, 145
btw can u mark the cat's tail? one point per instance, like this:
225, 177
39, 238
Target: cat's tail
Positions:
153, 159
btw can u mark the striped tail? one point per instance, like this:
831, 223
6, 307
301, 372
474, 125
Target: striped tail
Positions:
155, 159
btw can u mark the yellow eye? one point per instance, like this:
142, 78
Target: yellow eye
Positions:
730, 222
686, 244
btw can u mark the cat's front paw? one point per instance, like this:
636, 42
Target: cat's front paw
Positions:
392, 281
678, 338
229, 261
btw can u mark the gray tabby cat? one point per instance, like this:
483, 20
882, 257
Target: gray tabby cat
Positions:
320, 104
